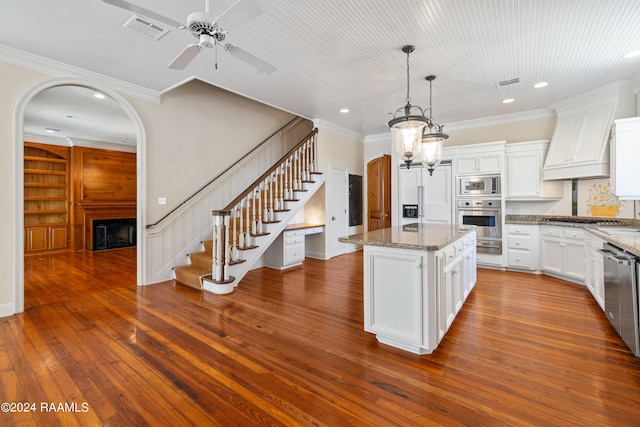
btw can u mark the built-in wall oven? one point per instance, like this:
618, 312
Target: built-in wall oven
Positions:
486, 215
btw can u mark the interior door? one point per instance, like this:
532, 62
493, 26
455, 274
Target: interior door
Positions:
338, 203
379, 193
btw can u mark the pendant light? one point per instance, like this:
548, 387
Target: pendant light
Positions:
432, 140
407, 128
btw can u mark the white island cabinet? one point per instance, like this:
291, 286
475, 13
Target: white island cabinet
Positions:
416, 279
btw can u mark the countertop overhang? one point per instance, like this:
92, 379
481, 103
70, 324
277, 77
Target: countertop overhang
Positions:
425, 237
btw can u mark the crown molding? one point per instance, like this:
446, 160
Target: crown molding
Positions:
323, 124
498, 120
58, 69
386, 136
482, 122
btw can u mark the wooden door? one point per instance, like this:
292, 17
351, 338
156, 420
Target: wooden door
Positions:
379, 193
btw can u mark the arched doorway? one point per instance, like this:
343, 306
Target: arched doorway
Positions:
18, 223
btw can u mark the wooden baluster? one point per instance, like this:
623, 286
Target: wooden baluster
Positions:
241, 242
266, 195
283, 175
253, 213
270, 199
305, 161
315, 152
296, 171
259, 195
290, 178
247, 227
234, 235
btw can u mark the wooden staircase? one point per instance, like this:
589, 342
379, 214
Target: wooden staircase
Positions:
253, 221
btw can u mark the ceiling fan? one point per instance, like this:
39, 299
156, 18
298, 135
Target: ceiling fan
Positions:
209, 30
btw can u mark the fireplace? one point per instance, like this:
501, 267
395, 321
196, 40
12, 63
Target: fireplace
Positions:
113, 233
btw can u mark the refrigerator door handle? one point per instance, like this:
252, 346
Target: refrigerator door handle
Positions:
420, 187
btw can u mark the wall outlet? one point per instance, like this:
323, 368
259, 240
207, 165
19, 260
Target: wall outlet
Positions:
162, 200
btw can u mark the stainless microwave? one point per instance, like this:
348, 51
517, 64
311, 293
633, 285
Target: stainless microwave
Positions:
479, 185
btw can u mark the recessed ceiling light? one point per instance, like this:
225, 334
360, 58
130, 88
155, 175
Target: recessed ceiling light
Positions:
540, 84
99, 95
632, 54
51, 130
508, 101
344, 110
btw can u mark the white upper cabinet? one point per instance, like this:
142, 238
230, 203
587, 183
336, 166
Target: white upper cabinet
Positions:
625, 154
524, 172
580, 142
484, 158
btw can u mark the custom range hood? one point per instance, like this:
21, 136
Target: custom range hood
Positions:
579, 146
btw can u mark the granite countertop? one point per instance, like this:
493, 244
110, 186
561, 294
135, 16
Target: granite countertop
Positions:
578, 221
627, 242
426, 237
597, 226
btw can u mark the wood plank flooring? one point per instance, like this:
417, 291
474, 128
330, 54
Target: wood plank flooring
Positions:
288, 348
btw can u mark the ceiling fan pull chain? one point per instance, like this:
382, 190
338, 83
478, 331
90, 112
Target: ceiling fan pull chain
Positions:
215, 67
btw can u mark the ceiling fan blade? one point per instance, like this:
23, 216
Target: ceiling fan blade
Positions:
185, 57
145, 12
240, 12
263, 67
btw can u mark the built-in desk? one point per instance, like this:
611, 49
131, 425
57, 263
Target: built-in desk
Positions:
288, 249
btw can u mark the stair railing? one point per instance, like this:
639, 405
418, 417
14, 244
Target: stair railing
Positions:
236, 226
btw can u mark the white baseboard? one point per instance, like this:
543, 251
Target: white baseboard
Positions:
6, 310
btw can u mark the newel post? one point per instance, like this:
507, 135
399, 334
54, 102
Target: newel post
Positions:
221, 250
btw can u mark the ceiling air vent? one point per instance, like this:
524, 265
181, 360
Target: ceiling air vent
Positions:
145, 27
508, 82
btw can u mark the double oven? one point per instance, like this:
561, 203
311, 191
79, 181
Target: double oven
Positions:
479, 203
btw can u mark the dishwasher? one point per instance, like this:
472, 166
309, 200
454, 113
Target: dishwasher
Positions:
621, 294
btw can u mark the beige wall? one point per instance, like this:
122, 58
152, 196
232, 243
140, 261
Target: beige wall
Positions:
514, 131
14, 83
191, 139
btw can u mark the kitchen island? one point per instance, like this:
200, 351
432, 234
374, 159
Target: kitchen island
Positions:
416, 278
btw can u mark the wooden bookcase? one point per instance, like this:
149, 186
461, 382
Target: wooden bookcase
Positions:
46, 197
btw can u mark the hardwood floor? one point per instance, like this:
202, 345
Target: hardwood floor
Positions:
288, 348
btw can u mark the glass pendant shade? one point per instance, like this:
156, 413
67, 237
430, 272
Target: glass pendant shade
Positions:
406, 137
431, 152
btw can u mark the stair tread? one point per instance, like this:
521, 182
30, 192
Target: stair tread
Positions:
190, 275
201, 259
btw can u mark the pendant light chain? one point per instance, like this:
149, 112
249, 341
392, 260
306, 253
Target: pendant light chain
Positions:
430, 109
408, 79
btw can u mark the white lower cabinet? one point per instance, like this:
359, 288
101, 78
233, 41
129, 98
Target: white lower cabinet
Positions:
594, 268
411, 297
562, 252
523, 247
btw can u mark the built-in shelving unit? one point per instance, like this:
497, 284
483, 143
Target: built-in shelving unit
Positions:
46, 197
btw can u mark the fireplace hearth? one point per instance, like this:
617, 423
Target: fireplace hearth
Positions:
114, 233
